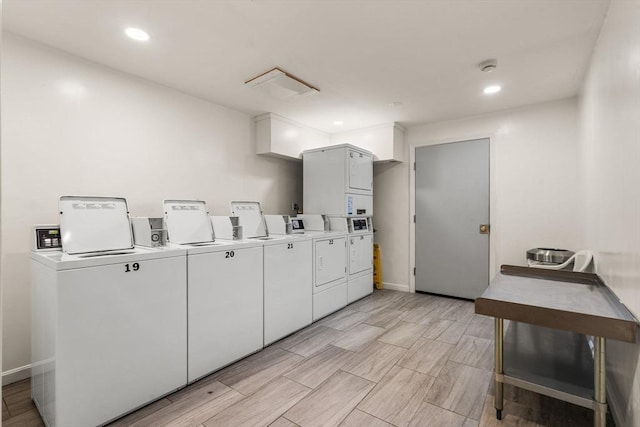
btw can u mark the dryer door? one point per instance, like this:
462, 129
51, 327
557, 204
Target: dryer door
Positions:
360, 171
330, 261
360, 253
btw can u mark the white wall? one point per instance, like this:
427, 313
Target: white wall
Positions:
390, 220
74, 127
534, 180
610, 161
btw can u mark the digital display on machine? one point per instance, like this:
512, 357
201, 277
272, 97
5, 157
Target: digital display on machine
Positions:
48, 238
359, 224
297, 224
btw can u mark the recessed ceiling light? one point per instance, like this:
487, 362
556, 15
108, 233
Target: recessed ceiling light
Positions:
137, 34
338, 123
72, 89
490, 90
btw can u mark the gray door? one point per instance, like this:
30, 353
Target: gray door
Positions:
452, 203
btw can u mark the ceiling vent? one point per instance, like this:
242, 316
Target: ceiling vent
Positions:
488, 66
282, 85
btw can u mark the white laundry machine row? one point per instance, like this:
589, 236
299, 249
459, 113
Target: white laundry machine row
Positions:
287, 273
108, 320
329, 263
360, 254
225, 289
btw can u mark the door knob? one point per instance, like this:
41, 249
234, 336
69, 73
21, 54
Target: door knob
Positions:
484, 228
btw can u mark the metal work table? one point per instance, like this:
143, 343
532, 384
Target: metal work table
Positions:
548, 351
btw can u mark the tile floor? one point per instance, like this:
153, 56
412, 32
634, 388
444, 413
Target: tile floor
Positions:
391, 359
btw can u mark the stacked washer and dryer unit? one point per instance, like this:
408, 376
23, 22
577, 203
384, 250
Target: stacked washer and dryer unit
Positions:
338, 181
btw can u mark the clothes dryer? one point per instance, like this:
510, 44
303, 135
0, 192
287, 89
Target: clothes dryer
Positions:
109, 330
360, 250
225, 293
288, 302
329, 263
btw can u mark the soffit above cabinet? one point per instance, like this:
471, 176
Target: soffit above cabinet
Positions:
281, 137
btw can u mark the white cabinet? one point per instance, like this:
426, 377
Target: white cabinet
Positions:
225, 308
287, 287
338, 180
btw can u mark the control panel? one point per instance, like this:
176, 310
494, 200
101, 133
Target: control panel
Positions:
297, 225
359, 224
47, 238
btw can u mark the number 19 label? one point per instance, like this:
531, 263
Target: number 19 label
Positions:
131, 267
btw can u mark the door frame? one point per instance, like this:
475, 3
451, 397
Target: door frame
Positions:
494, 230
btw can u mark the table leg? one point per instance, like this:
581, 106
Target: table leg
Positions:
499, 369
599, 383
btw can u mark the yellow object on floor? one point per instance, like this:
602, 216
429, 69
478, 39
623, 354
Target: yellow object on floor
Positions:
377, 267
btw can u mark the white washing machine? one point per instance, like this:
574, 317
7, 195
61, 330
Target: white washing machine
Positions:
224, 290
360, 249
109, 321
288, 301
329, 263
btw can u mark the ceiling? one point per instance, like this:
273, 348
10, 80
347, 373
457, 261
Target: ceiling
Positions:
374, 61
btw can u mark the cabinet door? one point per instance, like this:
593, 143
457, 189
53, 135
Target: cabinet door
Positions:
361, 253
360, 171
330, 261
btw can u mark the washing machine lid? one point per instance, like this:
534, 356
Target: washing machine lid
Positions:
187, 221
94, 224
251, 219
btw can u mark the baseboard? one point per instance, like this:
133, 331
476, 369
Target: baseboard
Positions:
395, 287
15, 375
